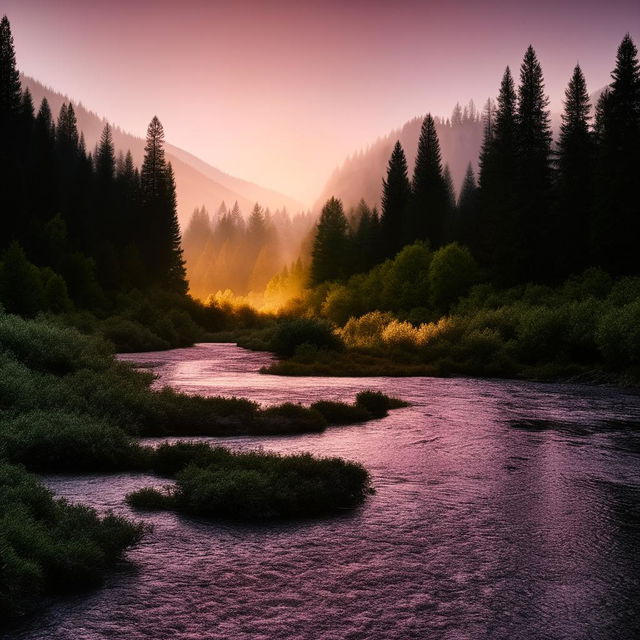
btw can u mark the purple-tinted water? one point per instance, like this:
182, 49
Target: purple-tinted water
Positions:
479, 529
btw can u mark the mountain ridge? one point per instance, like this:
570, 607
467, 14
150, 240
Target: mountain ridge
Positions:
198, 183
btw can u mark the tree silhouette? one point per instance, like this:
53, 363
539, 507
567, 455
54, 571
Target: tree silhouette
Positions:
430, 199
330, 245
396, 194
574, 189
617, 220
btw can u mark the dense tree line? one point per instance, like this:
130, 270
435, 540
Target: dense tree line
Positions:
538, 212
225, 251
78, 226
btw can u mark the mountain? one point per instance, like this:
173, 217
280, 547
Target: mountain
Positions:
361, 174
197, 182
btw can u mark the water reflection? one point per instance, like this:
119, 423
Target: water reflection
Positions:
503, 510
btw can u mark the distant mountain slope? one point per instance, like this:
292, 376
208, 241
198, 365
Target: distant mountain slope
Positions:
197, 182
361, 175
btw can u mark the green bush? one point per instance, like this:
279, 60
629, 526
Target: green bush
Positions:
377, 403
48, 546
341, 413
291, 418
255, 485
452, 272
60, 441
290, 334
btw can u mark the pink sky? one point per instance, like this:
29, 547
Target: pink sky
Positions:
280, 92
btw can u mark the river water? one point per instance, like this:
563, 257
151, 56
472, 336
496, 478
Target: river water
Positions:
503, 510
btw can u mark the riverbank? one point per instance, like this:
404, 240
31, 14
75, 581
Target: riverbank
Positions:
68, 406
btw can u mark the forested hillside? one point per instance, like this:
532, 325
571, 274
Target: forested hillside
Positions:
198, 183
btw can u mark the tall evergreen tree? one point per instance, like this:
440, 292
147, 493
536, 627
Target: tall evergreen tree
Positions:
10, 89
396, 194
617, 220
11, 164
105, 158
330, 253
537, 230
466, 226
574, 194
497, 239
176, 277
159, 233
430, 199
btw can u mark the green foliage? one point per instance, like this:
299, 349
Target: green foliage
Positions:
291, 418
217, 483
330, 255
48, 546
377, 403
62, 441
341, 413
452, 272
291, 333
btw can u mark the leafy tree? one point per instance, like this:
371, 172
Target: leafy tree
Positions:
21, 290
396, 193
330, 245
451, 273
430, 206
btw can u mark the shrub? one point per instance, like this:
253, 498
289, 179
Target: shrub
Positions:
48, 546
151, 499
60, 441
377, 403
341, 413
291, 418
618, 335
220, 483
128, 336
290, 334
365, 331
452, 272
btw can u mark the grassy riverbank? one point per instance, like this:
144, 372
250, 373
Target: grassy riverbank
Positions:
50, 547
389, 322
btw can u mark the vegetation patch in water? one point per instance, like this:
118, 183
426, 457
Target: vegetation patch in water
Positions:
218, 483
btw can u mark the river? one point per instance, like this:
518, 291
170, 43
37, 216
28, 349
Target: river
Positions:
503, 510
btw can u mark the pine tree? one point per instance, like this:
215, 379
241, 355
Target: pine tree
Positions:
396, 193
574, 194
451, 213
11, 151
466, 226
430, 200
537, 232
176, 276
497, 240
105, 158
159, 233
617, 218
10, 89
330, 245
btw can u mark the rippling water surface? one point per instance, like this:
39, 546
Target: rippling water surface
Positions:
504, 510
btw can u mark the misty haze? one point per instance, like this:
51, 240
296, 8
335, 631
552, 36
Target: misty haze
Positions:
319, 321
